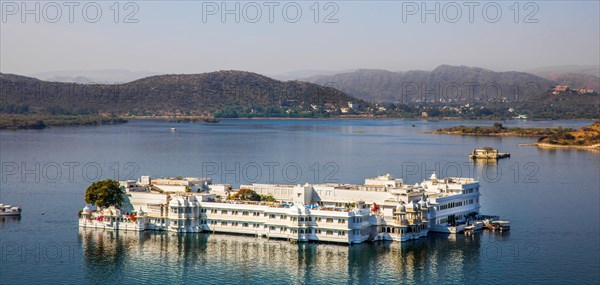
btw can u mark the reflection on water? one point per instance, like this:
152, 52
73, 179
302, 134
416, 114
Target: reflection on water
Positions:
218, 257
9, 220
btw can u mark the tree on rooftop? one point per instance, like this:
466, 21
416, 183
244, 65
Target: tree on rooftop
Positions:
104, 193
245, 195
267, 198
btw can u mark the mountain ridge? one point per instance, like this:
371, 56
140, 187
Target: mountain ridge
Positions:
195, 94
376, 85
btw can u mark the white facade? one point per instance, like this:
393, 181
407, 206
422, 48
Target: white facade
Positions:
383, 208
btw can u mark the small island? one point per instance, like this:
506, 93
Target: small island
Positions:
41, 121
584, 138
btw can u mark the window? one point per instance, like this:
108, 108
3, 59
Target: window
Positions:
245, 213
224, 212
329, 233
245, 225
329, 220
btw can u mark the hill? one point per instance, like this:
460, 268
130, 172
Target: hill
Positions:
225, 93
443, 84
576, 80
562, 69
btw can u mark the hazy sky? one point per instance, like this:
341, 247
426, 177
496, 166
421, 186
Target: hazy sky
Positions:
190, 36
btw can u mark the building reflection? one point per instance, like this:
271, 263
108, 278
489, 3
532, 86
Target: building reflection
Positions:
114, 256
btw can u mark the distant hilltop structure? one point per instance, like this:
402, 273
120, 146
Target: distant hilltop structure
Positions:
566, 89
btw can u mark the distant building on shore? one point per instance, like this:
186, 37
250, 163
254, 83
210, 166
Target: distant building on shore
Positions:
561, 89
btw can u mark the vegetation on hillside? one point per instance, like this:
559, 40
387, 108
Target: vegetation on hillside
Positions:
586, 136
237, 94
193, 94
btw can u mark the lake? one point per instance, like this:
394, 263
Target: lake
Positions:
551, 197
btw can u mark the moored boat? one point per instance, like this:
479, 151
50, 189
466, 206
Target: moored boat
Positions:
8, 210
502, 226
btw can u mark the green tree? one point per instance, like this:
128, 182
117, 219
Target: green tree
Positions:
245, 195
104, 193
267, 198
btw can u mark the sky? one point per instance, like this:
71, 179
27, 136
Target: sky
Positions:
276, 37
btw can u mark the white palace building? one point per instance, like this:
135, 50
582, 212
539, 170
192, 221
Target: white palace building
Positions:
384, 208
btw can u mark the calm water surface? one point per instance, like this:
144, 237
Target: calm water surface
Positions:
551, 197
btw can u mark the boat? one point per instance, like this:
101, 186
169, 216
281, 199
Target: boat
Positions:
501, 226
487, 153
8, 210
475, 226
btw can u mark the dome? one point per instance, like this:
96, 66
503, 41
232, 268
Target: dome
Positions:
86, 209
140, 212
433, 177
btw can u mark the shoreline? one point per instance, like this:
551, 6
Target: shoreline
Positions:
484, 135
582, 147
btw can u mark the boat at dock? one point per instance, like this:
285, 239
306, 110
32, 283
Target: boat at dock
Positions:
8, 210
487, 153
501, 226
